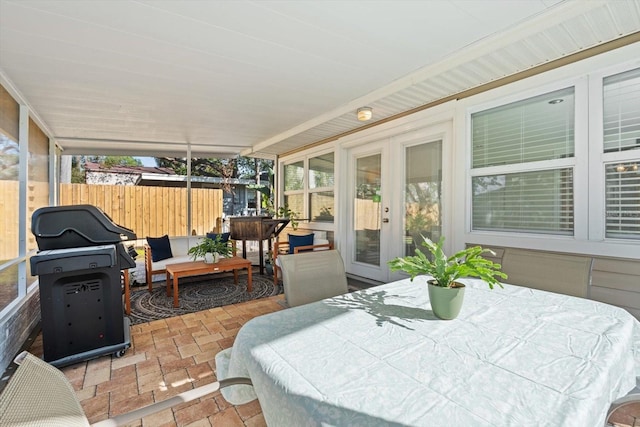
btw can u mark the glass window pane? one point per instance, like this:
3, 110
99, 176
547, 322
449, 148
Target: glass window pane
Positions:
295, 202
367, 211
8, 285
535, 129
423, 186
31, 278
9, 168
622, 111
321, 171
294, 176
536, 202
206, 209
623, 200
38, 188
321, 206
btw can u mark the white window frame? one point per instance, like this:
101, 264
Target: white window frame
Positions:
306, 191
578, 162
319, 189
598, 158
285, 192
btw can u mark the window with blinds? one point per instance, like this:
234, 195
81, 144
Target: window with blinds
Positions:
530, 202
522, 198
534, 129
623, 200
621, 134
621, 112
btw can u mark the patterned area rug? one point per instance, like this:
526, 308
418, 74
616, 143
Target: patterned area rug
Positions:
197, 294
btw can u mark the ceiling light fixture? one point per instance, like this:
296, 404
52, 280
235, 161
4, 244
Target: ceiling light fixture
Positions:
365, 113
620, 168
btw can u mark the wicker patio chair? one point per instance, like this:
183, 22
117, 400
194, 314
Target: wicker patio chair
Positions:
39, 395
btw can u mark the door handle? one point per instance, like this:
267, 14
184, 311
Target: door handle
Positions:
385, 219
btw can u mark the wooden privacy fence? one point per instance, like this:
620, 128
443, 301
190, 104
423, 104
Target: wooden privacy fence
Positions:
9, 196
150, 211
37, 196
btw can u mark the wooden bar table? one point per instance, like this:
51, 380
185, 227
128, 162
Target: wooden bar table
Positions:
259, 228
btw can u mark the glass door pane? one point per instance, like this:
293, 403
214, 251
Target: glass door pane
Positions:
367, 211
423, 189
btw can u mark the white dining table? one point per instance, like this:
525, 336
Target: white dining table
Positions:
379, 357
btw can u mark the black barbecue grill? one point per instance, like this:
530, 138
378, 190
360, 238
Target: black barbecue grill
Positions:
81, 253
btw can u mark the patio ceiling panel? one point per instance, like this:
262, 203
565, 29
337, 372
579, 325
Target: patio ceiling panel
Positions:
483, 62
267, 78
400, 101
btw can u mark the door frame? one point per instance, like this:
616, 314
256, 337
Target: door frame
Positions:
371, 271
393, 148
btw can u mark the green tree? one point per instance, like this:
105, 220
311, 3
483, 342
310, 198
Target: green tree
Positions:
78, 162
237, 167
199, 166
9, 159
110, 161
77, 170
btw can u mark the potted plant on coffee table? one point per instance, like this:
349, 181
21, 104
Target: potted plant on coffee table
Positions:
445, 293
211, 249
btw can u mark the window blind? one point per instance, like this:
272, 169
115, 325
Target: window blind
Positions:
535, 129
536, 202
623, 200
621, 111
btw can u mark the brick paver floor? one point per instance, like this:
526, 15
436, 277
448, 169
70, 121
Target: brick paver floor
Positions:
168, 357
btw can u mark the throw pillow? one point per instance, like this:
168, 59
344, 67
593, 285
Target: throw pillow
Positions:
160, 248
295, 241
224, 236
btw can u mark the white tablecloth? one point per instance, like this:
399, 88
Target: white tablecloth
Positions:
514, 357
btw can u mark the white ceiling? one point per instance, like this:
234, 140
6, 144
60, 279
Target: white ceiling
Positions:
267, 77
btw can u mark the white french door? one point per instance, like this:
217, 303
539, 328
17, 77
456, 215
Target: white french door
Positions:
368, 210
394, 198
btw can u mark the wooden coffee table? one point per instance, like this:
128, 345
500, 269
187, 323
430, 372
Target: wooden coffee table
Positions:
195, 268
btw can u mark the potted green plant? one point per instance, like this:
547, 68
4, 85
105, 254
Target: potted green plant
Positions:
445, 293
285, 212
212, 247
324, 215
268, 262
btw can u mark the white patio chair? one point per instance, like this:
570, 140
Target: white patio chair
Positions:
39, 394
312, 276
